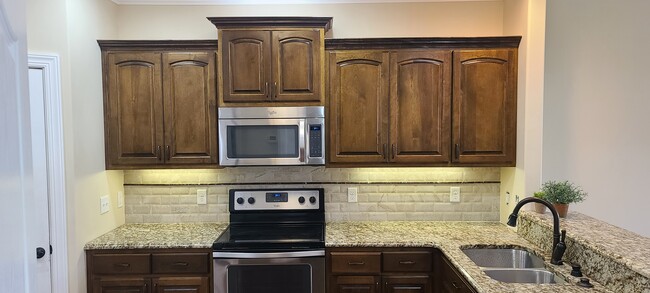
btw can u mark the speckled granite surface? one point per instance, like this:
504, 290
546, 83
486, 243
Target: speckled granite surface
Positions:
154, 236
450, 237
618, 258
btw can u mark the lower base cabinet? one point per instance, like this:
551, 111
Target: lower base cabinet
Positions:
379, 270
149, 271
392, 270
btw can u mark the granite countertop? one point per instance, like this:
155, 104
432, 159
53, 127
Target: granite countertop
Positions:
155, 236
449, 237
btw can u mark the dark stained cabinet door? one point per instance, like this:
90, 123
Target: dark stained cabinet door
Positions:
420, 106
297, 69
121, 285
181, 285
190, 108
406, 284
246, 60
134, 109
358, 112
484, 107
355, 284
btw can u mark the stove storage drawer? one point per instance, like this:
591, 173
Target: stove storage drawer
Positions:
179, 263
407, 261
356, 262
117, 264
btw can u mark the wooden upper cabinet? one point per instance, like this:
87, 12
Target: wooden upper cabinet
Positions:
160, 104
271, 61
358, 109
297, 65
246, 65
134, 132
484, 103
420, 97
390, 107
190, 107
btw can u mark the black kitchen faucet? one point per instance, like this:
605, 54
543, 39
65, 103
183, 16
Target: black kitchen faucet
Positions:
558, 244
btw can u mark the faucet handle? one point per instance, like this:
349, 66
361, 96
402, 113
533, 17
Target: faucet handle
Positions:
563, 235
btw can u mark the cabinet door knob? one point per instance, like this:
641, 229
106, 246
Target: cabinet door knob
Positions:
393, 151
168, 153
266, 90
275, 90
457, 151
158, 154
455, 285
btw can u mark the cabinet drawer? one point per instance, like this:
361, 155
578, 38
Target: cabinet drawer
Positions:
356, 262
164, 263
121, 263
407, 261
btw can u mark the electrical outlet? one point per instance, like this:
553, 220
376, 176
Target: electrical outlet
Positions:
104, 204
352, 194
454, 194
120, 199
201, 196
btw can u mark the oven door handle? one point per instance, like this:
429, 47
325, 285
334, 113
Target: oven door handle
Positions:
290, 254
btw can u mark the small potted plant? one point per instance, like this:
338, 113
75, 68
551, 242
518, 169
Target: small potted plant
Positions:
540, 208
561, 194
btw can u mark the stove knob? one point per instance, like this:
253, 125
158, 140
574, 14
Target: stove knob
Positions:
312, 199
301, 199
240, 200
251, 200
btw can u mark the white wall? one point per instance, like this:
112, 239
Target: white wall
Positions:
597, 106
437, 19
70, 29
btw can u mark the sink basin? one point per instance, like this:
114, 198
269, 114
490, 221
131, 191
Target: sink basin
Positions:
503, 258
535, 276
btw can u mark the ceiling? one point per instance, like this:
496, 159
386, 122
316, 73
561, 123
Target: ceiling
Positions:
271, 2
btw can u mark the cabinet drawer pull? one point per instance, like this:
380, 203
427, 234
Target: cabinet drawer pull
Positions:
406, 262
181, 264
456, 285
356, 263
123, 265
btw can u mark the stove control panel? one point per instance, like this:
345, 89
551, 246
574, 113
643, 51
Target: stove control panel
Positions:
271, 200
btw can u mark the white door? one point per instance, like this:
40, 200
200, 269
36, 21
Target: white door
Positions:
40, 207
17, 259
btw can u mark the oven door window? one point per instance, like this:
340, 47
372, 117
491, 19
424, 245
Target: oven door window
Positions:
294, 278
263, 141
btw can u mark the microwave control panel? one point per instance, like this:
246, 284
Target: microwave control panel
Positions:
315, 140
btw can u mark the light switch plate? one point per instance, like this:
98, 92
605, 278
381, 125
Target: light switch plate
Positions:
201, 196
352, 194
454, 194
120, 199
104, 204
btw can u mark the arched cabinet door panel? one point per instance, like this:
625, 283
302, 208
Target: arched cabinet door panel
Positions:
484, 107
133, 109
358, 110
246, 61
420, 105
297, 70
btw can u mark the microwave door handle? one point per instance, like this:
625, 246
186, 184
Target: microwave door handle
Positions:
301, 155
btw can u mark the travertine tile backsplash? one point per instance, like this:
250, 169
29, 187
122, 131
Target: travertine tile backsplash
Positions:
384, 193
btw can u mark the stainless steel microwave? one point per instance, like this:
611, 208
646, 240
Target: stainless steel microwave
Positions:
266, 136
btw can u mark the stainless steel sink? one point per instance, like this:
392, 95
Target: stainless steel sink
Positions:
503, 258
536, 276
512, 265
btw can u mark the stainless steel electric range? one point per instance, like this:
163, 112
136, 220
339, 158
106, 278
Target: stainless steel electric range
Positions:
275, 242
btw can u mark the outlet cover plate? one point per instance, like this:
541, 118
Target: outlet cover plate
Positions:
104, 204
352, 194
201, 196
454, 194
